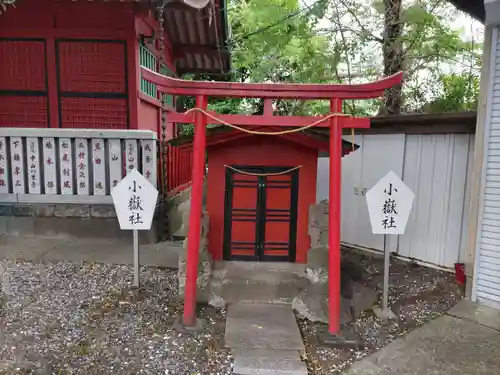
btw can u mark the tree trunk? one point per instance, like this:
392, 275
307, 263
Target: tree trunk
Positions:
393, 55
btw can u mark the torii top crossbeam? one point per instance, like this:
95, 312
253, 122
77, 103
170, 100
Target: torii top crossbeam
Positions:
268, 92
335, 93
304, 91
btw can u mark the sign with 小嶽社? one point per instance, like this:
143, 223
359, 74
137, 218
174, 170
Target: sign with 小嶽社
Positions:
389, 205
134, 199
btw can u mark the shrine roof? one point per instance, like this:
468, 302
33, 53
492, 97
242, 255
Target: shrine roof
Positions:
221, 134
199, 36
474, 8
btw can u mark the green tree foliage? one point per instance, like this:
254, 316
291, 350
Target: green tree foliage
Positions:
459, 92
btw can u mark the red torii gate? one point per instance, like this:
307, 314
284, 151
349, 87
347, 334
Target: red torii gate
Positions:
336, 121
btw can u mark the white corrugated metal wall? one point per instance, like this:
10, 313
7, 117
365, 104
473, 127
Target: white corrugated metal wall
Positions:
486, 288
434, 167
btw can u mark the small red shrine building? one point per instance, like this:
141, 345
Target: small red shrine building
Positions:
259, 190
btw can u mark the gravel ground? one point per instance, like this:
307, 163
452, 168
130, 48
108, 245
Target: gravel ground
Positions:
416, 295
67, 318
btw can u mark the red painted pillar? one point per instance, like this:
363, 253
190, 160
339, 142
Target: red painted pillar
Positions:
193, 241
334, 220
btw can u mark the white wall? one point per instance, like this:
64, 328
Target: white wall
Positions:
434, 167
486, 289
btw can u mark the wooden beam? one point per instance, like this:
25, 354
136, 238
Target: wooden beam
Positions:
271, 90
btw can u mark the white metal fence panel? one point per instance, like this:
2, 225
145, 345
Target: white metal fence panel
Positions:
435, 167
487, 266
71, 166
436, 170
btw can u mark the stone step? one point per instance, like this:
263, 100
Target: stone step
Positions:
235, 292
262, 326
264, 272
268, 366
277, 354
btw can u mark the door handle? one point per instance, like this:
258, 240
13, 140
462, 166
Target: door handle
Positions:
363, 191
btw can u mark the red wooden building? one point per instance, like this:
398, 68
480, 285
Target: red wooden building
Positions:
76, 64
259, 191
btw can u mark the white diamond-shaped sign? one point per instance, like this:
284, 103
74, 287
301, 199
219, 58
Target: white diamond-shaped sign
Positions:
135, 200
389, 205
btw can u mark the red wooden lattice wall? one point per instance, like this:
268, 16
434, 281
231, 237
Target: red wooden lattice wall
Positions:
92, 84
179, 168
23, 84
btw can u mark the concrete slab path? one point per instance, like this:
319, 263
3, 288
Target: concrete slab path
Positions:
465, 342
39, 249
264, 339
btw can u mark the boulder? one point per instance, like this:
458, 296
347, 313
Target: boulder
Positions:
318, 224
178, 209
312, 303
204, 266
185, 211
317, 265
317, 270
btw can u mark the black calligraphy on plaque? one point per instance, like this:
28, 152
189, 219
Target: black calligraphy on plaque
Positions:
2, 171
135, 204
33, 169
3, 175
130, 156
148, 159
389, 209
81, 165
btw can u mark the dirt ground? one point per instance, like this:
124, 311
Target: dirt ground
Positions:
71, 318
77, 318
417, 294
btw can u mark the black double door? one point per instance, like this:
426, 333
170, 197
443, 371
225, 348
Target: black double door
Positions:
260, 213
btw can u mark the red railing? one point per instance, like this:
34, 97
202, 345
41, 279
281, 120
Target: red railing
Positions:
179, 168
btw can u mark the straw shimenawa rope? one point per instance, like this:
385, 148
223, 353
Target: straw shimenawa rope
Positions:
263, 174
256, 132
282, 132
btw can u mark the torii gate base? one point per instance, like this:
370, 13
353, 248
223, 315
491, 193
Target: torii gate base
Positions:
336, 121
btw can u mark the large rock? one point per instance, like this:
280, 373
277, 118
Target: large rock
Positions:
178, 211
175, 212
318, 224
204, 266
312, 303
317, 265
317, 270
